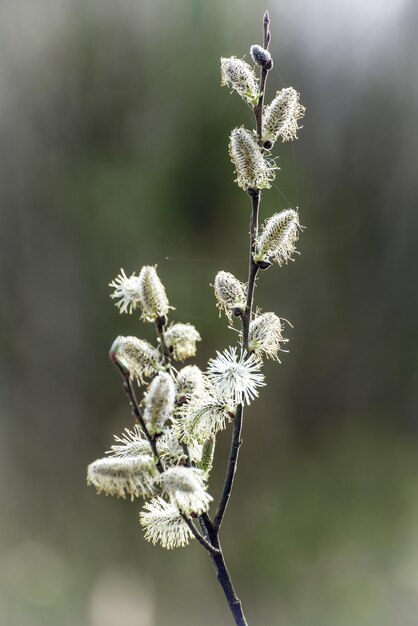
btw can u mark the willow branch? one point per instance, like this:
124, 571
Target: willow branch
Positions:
255, 196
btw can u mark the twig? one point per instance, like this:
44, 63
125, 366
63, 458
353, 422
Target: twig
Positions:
160, 323
258, 109
232, 468
201, 539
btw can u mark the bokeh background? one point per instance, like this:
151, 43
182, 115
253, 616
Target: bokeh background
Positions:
113, 147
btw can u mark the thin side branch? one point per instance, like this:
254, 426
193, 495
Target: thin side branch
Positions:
137, 413
200, 538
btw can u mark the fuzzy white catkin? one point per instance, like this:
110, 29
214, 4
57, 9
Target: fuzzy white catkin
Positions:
280, 117
140, 358
277, 241
163, 524
126, 290
130, 444
235, 377
230, 294
159, 403
203, 416
189, 382
239, 76
121, 477
186, 489
181, 340
265, 335
253, 170
153, 299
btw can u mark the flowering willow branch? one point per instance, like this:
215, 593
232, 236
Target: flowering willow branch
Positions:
253, 269
167, 457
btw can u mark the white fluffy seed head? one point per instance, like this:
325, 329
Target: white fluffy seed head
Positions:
236, 377
159, 403
280, 117
185, 487
189, 382
239, 76
153, 299
126, 290
278, 237
265, 336
132, 443
122, 477
138, 356
253, 170
181, 340
163, 524
230, 294
203, 416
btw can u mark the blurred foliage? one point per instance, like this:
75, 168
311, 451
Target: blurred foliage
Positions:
113, 137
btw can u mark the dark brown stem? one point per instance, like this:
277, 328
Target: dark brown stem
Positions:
226, 583
246, 320
200, 538
252, 267
232, 468
213, 529
160, 323
137, 414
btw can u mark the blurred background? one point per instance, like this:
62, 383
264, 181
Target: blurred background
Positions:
113, 147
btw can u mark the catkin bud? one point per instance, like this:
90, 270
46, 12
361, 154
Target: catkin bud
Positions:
278, 238
280, 117
265, 336
230, 294
181, 340
238, 75
208, 451
153, 299
133, 476
262, 57
253, 170
159, 403
137, 356
189, 382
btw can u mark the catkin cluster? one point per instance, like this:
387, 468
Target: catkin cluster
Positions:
166, 458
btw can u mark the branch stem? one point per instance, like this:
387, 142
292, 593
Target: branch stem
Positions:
226, 583
232, 468
213, 529
255, 195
